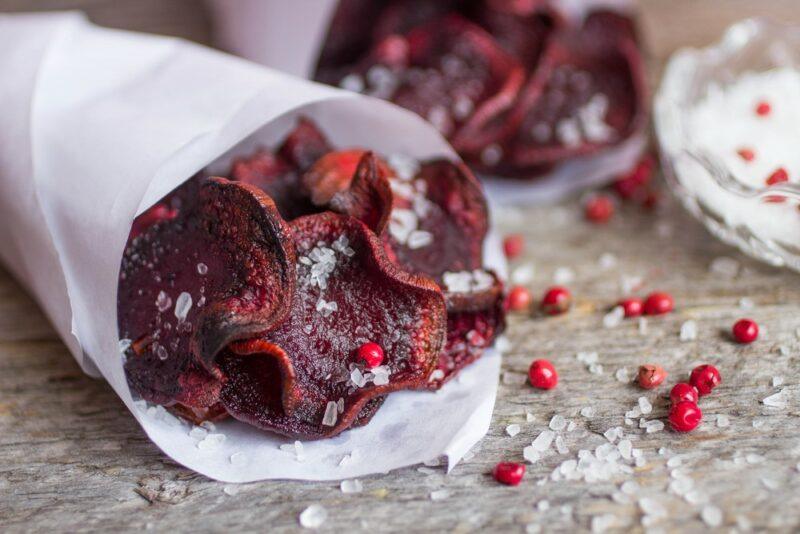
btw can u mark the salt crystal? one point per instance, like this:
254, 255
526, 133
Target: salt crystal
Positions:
531, 454
359, 380
746, 303
163, 301
675, 461
571, 426
238, 458
543, 505
433, 462
629, 283
611, 434
202, 269
587, 411
725, 267
326, 308
381, 375
439, 495
654, 426
596, 369
558, 422
601, 523
783, 350
754, 458
642, 326
681, 486
523, 274
770, 483
778, 400
419, 239
622, 375
568, 132
688, 331
723, 421
492, 155
614, 318
563, 275
695, 497
502, 344
331, 414
529, 417
198, 433
513, 430
543, 440
352, 82
561, 445
314, 516
351, 486
231, 489
777, 381
211, 441
652, 507
711, 515
644, 405
182, 306
437, 374
123, 345
625, 447
629, 487
607, 261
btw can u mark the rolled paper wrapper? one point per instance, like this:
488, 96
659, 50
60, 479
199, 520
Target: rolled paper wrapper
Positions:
96, 126
289, 36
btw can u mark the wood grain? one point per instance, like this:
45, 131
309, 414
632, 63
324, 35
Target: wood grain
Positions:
72, 458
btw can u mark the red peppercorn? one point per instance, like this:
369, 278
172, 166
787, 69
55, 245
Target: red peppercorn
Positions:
371, 353
745, 331
705, 378
630, 185
633, 307
557, 300
763, 108
651, 376
510, 473
746, 154
778, 177
658, 303
685, 416
599, 209
543, 375
683, 392
518, 299
513, 245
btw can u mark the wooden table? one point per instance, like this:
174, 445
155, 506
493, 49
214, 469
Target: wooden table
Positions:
73, 459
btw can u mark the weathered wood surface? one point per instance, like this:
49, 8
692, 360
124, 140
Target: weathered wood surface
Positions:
72, 458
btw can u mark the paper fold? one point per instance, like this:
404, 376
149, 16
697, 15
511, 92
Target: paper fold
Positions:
98, 124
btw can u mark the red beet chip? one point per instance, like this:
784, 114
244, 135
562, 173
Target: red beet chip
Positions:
513, 246
683, 392
542, 375
519, 299
220, 271
509, 473
650, 376
705, 378
297, 379
685, 416
745, 331
599, 209
587, 93
658, 303
371, 354
633, 307
556, 300
353, 182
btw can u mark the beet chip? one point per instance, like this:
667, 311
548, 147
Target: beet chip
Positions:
586, 94
303, 378
220, 271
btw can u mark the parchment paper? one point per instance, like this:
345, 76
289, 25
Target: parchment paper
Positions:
95, 126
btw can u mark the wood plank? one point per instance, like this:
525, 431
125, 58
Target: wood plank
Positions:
71, 458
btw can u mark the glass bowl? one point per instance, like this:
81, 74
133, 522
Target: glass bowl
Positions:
762, 222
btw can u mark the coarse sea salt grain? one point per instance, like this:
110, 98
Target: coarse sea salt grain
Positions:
314, 516
587, 412
523, 274
614, 318
210, 442
688, 331
563, 275
439, 495
182, 306
543, 441
351, 486
711, 515
557, 423
778, 400
723, 420
513, 429
725, 267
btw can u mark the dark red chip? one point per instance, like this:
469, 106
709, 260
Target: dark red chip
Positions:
304, 378
218, 272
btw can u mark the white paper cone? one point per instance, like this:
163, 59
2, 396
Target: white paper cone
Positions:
288, 36
95, 126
